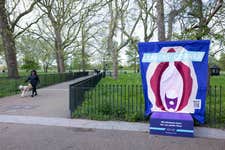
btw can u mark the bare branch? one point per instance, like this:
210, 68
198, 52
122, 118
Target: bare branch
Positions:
42, 37
14, 23
206, 21
10, 12
28, 26
217, 8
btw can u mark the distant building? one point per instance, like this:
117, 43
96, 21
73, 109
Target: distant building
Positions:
214, 70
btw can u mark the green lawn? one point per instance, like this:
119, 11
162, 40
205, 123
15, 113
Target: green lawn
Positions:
135, 79
122, 99
124, 79
217, 80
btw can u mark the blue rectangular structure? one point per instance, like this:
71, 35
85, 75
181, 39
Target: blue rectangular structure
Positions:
174, 76
172, 124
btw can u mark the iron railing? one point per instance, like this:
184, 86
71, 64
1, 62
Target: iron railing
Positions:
126, 102
77, 92
49, 79
10, 86
105, 102
215, 107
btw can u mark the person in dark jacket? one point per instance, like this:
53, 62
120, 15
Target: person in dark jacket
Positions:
33, 79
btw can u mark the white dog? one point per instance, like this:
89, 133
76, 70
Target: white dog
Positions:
25, 89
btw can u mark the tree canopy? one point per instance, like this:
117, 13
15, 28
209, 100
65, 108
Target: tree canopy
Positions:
81, 33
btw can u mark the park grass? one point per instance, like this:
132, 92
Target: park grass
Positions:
217, 80
135, 79
111, 99
215, 102
105, 110
123, 79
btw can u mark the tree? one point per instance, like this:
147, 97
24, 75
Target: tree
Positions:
29, 64
132, 54
112, 30
141, 15
7, 30
118, 13
58, 13
174, 9
212, 61
147, 18
68, 21
198, 19
103, 54
222, 61
47, 55
89, 24
65, 23
1, 47
160, 20
1, 54
29, 46
8, 42
195, 18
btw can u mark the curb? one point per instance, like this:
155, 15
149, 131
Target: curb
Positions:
107, 125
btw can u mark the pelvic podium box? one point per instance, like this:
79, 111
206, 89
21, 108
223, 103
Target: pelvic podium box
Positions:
173, 124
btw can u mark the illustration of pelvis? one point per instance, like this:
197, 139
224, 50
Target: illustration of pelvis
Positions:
172, 86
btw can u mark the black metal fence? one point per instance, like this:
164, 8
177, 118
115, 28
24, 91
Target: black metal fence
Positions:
104, 102
10, 86
77, 93
126, 102
49, 79
215, 107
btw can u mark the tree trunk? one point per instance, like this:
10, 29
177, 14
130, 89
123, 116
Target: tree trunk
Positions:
135, 62
172, 16
45, 67
115, 63
135, 66
160, 20
59, 51
83, 58
8, 43
112, 28
83, 48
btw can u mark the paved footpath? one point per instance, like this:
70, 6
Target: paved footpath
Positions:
42, 123
36, 137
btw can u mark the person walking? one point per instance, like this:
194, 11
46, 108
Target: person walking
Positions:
33, 79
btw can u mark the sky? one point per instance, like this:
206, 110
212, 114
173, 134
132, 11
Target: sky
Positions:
138, 32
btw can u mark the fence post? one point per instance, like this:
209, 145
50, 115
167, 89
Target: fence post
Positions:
220, 101
71, 100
